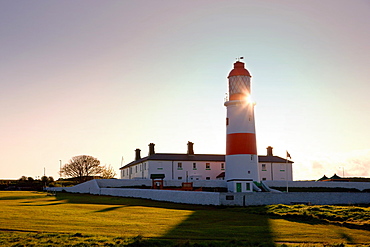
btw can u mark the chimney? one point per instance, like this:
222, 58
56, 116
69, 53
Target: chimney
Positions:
269, 151
190, 148
137, 154
151, 149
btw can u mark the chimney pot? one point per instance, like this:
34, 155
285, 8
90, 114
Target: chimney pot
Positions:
269, 151
190, 148
137, 154
151, 149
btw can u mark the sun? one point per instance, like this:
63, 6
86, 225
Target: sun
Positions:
249, 99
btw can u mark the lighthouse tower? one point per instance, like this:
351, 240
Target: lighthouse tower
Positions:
241, 151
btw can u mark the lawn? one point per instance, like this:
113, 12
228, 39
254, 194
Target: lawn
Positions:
86, 220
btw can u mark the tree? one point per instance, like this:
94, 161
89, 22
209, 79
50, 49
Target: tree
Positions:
108, 172
46, 180
81, 167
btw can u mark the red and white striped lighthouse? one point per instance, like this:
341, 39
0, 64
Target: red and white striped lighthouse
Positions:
241, 151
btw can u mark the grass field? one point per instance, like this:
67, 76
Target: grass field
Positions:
350, 216
34, 218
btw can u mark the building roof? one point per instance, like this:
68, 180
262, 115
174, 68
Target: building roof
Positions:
221, 175
323, 178
272, 159
335, 176
201, 157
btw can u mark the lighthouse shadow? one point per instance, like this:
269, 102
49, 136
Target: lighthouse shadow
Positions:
216, 226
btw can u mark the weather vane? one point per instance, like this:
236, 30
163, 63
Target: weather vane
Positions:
239, 58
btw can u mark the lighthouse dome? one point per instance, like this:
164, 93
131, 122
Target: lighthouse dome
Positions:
239, 70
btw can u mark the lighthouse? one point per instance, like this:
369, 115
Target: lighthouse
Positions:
241, 160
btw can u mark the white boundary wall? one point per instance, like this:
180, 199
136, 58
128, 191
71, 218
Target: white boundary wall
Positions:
122, 183
314, 198
317, 184
187, 197
100, 187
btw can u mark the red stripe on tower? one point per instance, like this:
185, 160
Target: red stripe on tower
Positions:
241, 143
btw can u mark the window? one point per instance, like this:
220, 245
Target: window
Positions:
264, 167
194, 166
136, 169
160, 168
251, 157
208, 166
282, 167
179, 178
248, 186
263, 179
179, 166
227, 121
222, 166
208, 178
249, 172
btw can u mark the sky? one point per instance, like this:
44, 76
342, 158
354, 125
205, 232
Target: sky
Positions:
103, 78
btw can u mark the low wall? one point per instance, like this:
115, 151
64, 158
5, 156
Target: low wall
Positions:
317, 184
101, 187
314, 198
90, 187
187, 197
118, 183
121, 183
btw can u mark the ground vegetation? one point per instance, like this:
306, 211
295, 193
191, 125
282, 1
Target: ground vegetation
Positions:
64, 219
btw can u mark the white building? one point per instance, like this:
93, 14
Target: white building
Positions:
190, 166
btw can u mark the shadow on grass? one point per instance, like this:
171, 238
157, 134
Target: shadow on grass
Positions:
113, 200
109, 209
209, 225
23, 197
345, 236
223, 227
42, 205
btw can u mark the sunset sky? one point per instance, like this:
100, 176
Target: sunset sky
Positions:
103, 78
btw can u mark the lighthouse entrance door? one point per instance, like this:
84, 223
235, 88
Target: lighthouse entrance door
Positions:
238, 187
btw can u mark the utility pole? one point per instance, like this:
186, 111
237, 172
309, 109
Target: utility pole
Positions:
60, 168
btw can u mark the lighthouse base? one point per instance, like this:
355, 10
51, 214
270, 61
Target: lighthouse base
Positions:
240, 185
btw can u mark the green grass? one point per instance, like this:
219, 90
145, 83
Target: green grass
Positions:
350, 216
36, 219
